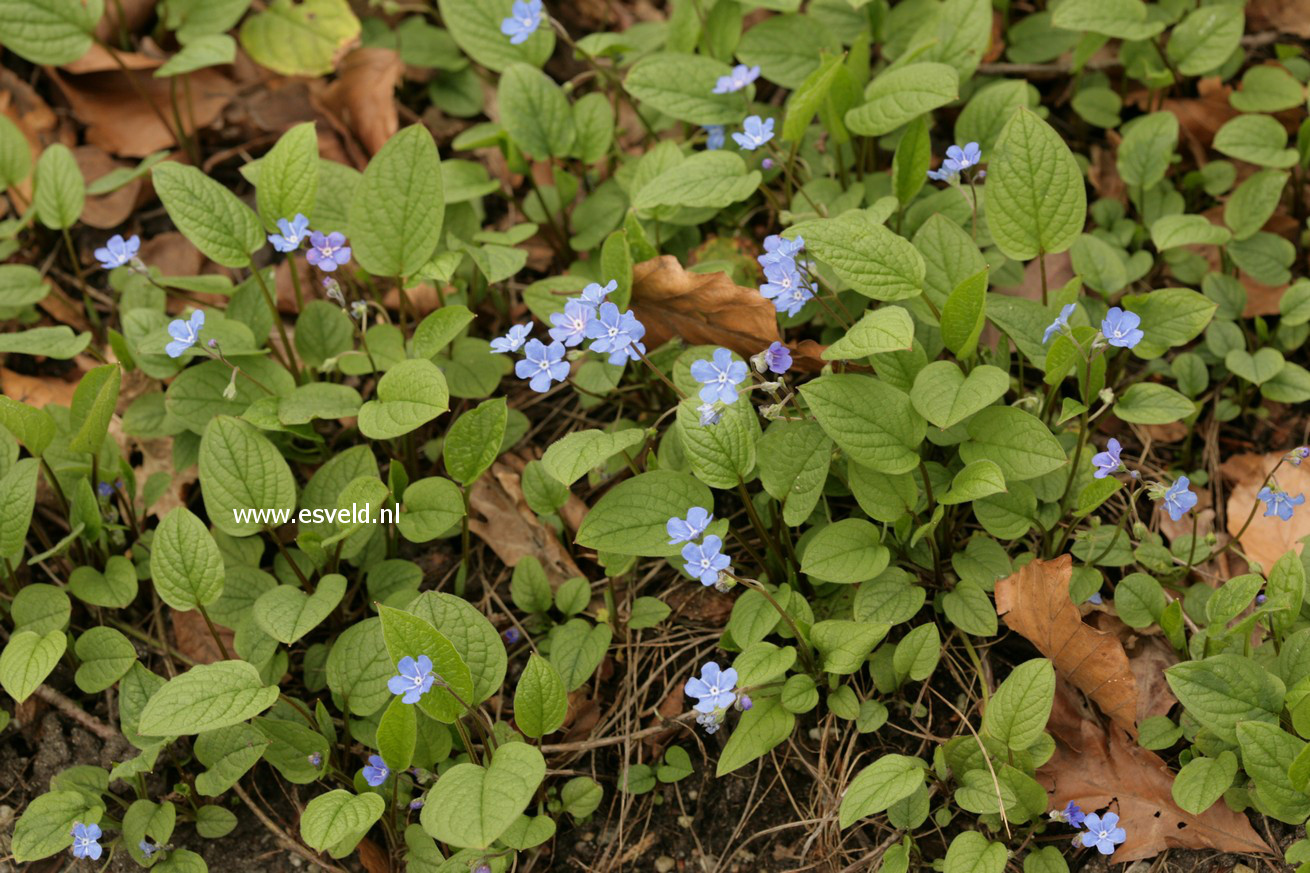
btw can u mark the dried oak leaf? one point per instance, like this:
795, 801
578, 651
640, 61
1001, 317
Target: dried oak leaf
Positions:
193, 639
363, 95
1267, 538
502, 519
1108, 769
1035, 603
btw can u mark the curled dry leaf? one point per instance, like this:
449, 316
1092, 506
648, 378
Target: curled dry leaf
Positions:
1287, 16
38, 391
1269, 537
1149, 655
362, 95
112, 209
502, 519
1035, 603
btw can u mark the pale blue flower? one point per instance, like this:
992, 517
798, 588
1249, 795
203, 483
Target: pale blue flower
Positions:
594, 294
118, 252
1178, 499
542, 365
1103, 832
292, 233
755, 133
414, 678
1120, 328
777, 358
719, 376
778, 250
715, 137
686, 530
957, 160
1280, 503
714, 689
513, 339
524, 19
328, 252
571, 324
613, 331
184, 333
710, 414
1107, 462
376, 771
147, 848
1061, 323
705, 561
86, 841
739, 78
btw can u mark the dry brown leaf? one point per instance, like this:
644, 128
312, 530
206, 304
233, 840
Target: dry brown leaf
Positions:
503, 520
1149, 655
112, 209
1288, 16
38, 391
32, 115
373, 858
172, 253
363, 95
1035, 602
1269, 537
193, 639
98, 60
1106, 769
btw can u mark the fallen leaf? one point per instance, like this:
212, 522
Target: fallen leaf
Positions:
38, 391
583, 714
503, 520
98, 59
1106, 769
192, 637
1267, 538
172, 253
1103, 173
1287, 16
1035, 603
33, 116
1149, 655
363, 95
373, 858
112, 209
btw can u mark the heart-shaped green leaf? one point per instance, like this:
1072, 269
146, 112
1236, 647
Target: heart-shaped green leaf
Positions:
945, 396
472, 806
27, 659
408, 635
1256, 369
286, 613
335, 822
115, 587
411, 394
982, 478
206, 697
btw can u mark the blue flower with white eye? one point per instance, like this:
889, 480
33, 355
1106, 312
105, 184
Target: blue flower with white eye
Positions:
705, 561
542, 364
1103, 832
685, 530
414, 678
957, 160
184, 333
715, 137
513, 339
1178, 499
781, 251
571, 324
376, 771
292, 233
327, 252
1107, 462
1061, 323
595, 293
719, 376
523, 21
86, 841
776, 359
1279, 502
118, 252
1120, 328
612, 331
714, 689
739, 78
755, 133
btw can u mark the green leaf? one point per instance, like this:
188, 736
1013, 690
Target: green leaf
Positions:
53, 342
866, 255
51, 32
1267, 754
945, 396
1203, 40
535, 112
1223, 690
874, 789
1017, 713
21, 285
286, 613
185, 563
476, 639
708, 179
240, 469
1256, 368
630, 518
228, 753
1018, 442
971, 852
299, 38
439, 329
1121, 19
648, 612
208, 214
397, 735
764, 726
60, 190
94, 401
46, 826
212, 822
288, 177
15, 164
572, 457
899, 95
874, 423
964, 315
593, 119
335, 822
1147, 149
918, 652
474, 440
206, 697
322, 400
397, 213
359, 666
19, 488
846, 551
1173, 231
681, 86
786, 48
1256, 139
968, 607
844, 645
910, 161
1171, 317
106, 656
976, 480
209, 50
1152, 403
409, 395
807, 99
540, 703
886, 329
34, 428
408, 635
1254, 202
432, 506
471, 806
27, 660
116, 587
475, 25
793, 458
722, 454
1267, 89
576, 650
1202, 781
1036, 201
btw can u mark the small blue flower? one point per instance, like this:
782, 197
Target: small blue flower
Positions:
594, 294
118, 252
1061, 323
1178, 499
523, 21
184, 333
1095, 597
709, 721
704, 561
512, 635
292, 235
720, 376
571, 324
104, 489
715, 137
1103, 832
1072, 814
1120, 328
613, 331
957, 160
414, 678
1107, 462
740, 77
147, 848
328, 252
781, 251
376, 771
686, 530
756, 132
315, 759
1280, 503
85, 841
416, 803
542, 365
776, 358
785, 288
513, 340
710, 414
713, 689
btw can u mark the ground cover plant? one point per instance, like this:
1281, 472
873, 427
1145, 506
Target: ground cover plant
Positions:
717, 434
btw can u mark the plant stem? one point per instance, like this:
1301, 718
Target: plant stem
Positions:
213, 632
290, 360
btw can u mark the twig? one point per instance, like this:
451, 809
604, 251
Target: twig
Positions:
76, 713
282, 836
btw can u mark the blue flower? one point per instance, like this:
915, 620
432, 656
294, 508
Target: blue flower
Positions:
1061, 323
85, 841
147, 848
571, 324
709, 721
785, 288
1095, 597
776, 358
613, 331
315, 760
104, 489
523, 21
292, 235
715, 137
1178, 499
542, 365
1107, 462
1103, 832
512, 635
1120, 328
118, 252
1072, 814
740, 77
184, 333
513, 340
710, 414
328, 252
376, 771
781, 251
1297, 455
1280, 503
414, 678
594, 294
713, 689
756, 133
688, 529
956, 161
705, 561
720, 376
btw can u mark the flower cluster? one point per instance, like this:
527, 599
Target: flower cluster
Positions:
784, 283
714, 691
957, 160
704, 560
326, 251
1119, 328
1177, 498
1101, 831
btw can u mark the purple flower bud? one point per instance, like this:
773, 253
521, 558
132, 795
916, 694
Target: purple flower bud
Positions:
744, 703
767, 163
484, 867
512, 635
416, 803
213, 343
1260, 599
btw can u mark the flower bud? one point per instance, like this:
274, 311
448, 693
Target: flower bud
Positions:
744, 703
767, 163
